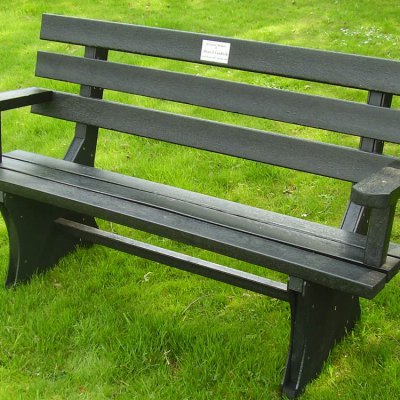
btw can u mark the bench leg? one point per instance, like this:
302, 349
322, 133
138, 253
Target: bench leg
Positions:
35, 242
320, 318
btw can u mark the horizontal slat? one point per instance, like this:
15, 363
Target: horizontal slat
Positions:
344, 276
314, 111
262, 223
296, 62
305, 155
197, 266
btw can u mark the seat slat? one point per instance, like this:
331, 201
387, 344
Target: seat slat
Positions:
304, 155
328, 271
313, 111
193, 198
313, 65
284, 229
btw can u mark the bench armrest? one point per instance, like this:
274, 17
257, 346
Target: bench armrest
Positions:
23, 97
379, 193
380, 190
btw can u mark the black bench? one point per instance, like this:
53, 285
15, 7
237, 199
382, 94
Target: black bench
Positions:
50, 205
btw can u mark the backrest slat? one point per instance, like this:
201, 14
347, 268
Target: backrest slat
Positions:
313, 111
305, 155
295, 62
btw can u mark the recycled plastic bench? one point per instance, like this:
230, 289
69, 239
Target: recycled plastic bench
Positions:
50, 205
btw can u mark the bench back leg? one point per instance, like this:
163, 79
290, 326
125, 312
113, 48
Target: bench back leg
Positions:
35, 242
320, 318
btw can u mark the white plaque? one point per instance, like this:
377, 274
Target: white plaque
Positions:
217, 52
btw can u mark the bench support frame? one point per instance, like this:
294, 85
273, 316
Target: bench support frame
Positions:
320, 318
35, 242
83, 147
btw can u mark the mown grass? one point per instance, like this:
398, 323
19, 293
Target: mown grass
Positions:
103, 325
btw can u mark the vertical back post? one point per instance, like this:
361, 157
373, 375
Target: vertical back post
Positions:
1, 143
83, 147
356, 217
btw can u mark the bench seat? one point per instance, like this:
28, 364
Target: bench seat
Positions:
286, 244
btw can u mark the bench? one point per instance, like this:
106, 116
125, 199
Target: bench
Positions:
50, 205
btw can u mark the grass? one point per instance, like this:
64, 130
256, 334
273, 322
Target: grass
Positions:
103, 325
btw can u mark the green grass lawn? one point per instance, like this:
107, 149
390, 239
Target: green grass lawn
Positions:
103, 325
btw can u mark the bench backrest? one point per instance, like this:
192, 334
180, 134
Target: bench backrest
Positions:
375, 121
